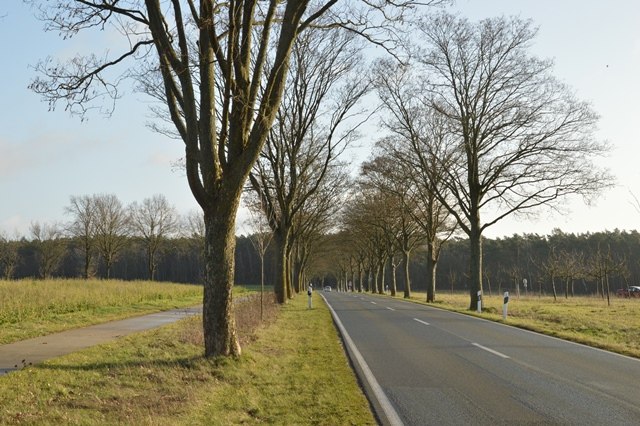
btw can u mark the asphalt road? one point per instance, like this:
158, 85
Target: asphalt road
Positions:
433, 367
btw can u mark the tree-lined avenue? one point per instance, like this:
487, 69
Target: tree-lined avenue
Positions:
439, 367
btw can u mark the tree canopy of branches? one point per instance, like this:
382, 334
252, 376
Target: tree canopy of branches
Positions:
154, 220
83, 227
305, 142
518, 138
112, 228
416, 139
219, 71
50, 247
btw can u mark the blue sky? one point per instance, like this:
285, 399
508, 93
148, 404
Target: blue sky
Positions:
46, 157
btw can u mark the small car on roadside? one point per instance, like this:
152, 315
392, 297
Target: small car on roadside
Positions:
632, 291
327, 288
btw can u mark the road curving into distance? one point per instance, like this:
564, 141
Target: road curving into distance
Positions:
433, 366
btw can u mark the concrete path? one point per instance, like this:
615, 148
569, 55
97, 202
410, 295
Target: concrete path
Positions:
15, 356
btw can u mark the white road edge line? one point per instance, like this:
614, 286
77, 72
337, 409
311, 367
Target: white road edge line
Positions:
422, 322
391, 309
501, 355
385, 404
373, 303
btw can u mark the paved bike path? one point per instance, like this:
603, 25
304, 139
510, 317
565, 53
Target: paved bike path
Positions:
14, 356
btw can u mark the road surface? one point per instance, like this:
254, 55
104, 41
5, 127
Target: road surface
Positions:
429, 366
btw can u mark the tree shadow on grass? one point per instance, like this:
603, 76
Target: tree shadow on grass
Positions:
189, 363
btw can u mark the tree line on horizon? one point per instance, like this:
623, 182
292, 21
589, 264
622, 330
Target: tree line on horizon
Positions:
561, 264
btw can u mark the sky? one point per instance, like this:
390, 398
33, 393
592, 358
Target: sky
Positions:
48, 156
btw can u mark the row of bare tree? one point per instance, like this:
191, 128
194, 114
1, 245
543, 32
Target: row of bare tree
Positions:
476, 127
101, 226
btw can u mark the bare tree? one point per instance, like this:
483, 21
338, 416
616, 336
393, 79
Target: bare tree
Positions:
154, 221
112, 224
83, 228
383, 172
260, 239
602, 265
9, 256
218, 71
50, 247
367, 219
519, 139
317, 217
303, 144
417, 138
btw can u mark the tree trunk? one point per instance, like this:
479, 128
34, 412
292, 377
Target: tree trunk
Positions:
376, 277
151, 263
280, 284
262, 286
475, 263
87, 259
218, 320
392, 267
407, 276
381, 284
108, 263
431, 275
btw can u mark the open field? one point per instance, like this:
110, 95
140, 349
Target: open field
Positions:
583, 319
30, 308
292, 372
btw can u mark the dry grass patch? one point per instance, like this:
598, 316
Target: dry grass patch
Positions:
586, 319
30, 308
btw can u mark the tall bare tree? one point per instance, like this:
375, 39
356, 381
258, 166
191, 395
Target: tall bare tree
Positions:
218, 71
154, 220
83, 228
112, 228
519, 139
260, 238
50, 247
416, 140
9, 256
367, 219
317, 217
303, 144
387, 174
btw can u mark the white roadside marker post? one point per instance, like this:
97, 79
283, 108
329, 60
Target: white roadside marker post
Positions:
479, 301
309, 293
505, 305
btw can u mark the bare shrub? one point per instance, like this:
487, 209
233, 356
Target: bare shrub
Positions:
247, 316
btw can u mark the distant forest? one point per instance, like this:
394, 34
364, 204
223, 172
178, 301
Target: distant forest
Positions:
571, 263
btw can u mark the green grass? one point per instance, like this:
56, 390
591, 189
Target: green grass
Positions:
30, 308
292, 372
587, 320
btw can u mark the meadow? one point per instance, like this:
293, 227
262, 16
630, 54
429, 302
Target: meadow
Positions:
584, 319
30, 308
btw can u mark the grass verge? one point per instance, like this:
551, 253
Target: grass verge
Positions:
585, 319
291, 372
30, 308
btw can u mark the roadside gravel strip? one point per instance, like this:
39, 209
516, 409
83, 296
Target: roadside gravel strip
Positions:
386, 413
15, 356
